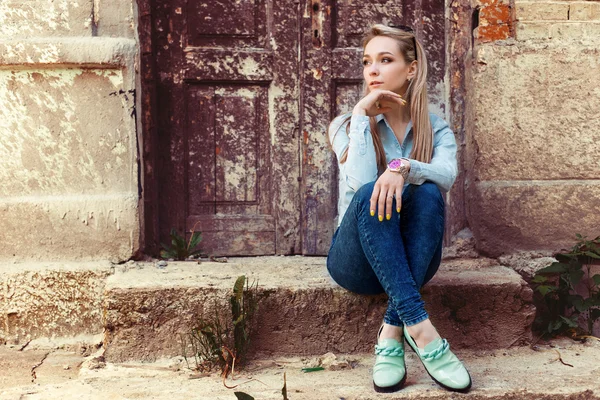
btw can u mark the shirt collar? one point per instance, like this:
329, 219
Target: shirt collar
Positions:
380, 117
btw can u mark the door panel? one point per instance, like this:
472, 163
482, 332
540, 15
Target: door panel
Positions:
332, 85
227, 96
245, 91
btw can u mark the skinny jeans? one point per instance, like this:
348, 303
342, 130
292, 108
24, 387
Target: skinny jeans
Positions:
396, 256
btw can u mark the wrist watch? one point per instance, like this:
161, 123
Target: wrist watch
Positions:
398, 165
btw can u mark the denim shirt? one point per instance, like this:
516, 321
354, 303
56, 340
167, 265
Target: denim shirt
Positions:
361, 165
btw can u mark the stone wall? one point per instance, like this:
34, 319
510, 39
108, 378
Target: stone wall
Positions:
533, 171
68, 154
69, 150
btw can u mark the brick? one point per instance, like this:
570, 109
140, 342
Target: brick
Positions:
569, 30
592, 30
511, 216
542, 11
495, 15
39, 18
492, 33
532, 31
486, 3
530, 125
51, 299
585, 11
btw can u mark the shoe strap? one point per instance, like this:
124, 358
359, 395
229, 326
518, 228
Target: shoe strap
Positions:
389, 351
436, 353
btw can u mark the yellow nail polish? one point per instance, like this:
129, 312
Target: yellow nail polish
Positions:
372, 213
388, 216
380, 218
397, 209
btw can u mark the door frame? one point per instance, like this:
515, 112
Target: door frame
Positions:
459, 38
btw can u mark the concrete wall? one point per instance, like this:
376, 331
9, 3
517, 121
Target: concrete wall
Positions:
533, 145
68, 157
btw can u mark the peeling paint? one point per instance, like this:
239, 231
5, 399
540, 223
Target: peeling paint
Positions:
274, 93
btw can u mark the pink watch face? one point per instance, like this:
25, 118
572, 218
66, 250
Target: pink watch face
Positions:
395, 164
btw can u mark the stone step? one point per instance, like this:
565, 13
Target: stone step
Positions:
475, 303
516, 373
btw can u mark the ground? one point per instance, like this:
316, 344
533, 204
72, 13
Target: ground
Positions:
72, 372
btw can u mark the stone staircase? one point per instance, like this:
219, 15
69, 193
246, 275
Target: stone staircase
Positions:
475, 303
140, 309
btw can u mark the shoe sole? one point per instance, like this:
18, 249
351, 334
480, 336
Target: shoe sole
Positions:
390, 389
463, 390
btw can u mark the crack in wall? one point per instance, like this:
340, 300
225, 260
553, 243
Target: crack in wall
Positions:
36, 366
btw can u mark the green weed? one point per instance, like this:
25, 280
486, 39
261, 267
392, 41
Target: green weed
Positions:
561, 304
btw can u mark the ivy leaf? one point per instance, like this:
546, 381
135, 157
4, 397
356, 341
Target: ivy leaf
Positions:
596, 279
594, 301
569, 322
243, 396
593, 255
595, 313
579, 303
565, 257
539, 279
553, 268
554, 326
575, 276
545, 289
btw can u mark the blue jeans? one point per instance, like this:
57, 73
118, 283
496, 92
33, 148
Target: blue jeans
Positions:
396, 256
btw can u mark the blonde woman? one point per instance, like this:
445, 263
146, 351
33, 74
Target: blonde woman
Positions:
394, 159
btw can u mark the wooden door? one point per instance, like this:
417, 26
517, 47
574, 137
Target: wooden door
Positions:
332, 84
241, 93
227, 123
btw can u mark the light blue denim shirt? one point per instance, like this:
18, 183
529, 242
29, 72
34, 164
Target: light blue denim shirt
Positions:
361, 165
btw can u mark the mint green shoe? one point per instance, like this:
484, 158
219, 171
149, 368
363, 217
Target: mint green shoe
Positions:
441, 364
389, 371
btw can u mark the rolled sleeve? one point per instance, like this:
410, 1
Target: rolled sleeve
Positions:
443, 167
360, 166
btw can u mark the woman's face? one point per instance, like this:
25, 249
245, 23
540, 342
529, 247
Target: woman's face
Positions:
384, 67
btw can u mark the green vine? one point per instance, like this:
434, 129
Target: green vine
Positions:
560, 286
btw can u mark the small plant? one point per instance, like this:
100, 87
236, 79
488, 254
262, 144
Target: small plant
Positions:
179, 249
207, 340
557, 283
244, 303
217, 343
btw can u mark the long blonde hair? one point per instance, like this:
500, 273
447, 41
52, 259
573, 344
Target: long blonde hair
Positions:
416, 96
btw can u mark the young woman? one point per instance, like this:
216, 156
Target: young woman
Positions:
394, 157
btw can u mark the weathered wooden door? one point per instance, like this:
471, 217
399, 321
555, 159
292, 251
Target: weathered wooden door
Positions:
227, 100
245, 91
332, 84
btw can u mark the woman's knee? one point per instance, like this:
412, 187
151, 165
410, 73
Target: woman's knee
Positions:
428, 192
364, 193
365, 283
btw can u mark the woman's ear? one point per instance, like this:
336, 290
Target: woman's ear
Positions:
412, 69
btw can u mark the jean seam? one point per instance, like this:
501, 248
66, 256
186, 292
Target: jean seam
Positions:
383, 277
371, 252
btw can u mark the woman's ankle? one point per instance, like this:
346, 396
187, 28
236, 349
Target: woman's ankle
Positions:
423, 333
390, 332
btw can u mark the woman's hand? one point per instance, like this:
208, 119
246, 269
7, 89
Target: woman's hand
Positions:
385, 99
389, 184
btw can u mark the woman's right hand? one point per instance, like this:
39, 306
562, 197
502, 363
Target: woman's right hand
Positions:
386, 99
